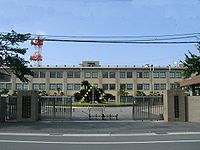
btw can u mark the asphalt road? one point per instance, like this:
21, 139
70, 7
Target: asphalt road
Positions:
151, 141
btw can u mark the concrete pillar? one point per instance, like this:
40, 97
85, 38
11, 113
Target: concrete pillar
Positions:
175, 105
2, 108
27, 105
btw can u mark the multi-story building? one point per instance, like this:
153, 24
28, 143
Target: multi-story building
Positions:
110, 78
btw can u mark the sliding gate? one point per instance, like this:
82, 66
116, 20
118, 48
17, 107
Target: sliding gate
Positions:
55, 108
147, 108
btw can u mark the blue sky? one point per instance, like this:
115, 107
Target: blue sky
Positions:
104, 18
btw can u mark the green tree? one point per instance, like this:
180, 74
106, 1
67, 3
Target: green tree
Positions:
89, 93
191, 64
140, 93
4, 91
107, 96
10, 54
122, 90
85, 84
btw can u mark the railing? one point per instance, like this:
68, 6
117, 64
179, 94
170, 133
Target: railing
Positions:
55, 107
148, 108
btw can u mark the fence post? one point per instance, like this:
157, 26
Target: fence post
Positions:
133, 109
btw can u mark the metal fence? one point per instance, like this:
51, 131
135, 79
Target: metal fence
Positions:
9, 107
55, 107
147, 108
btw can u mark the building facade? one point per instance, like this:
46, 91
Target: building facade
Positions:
68, 79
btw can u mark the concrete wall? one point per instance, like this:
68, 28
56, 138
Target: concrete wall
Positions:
194, 108
169, 105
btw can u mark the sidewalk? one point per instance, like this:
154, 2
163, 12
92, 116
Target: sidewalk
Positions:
98, 127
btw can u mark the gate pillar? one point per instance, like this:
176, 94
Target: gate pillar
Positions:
2, 108
27, 106
175, 102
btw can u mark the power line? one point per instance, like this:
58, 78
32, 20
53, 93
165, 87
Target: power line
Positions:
120, 42
121, 36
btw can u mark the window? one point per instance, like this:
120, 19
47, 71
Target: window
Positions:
54, 86
87, 75
173, 85
94, 74
112, 86
22, 86
59, 74
59, 86
172, 74
69, 86
104, 74
105, 86
178, 75
146, 86
35, 74
145, 74
123, 86
36, 86
156, 74
52, 74
77, 74
42, 74
42, 86
139, 86
139, 74
76, 86
129, 74
163, 86
129, 86
162, 74
5, 86
18, 86
70, 74
122, 74
112, 74
156, 86
2, 86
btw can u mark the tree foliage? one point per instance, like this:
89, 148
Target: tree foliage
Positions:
191, 64
11, 52
90, 93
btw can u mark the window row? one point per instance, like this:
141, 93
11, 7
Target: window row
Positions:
5, 86
105, 74
77, 86
108, 86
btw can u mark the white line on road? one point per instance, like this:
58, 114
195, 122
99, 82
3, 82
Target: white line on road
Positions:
99, 135
183, 133
99, 143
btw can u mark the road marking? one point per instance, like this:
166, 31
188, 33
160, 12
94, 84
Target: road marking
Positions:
100, 135
183, 133
26, 134
78, 135
99, 143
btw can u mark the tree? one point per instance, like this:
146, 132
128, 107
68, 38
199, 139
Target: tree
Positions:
10, 54
108, 96
191, 64
85, 84
4, 91
140, 93
89, 93
122, 90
